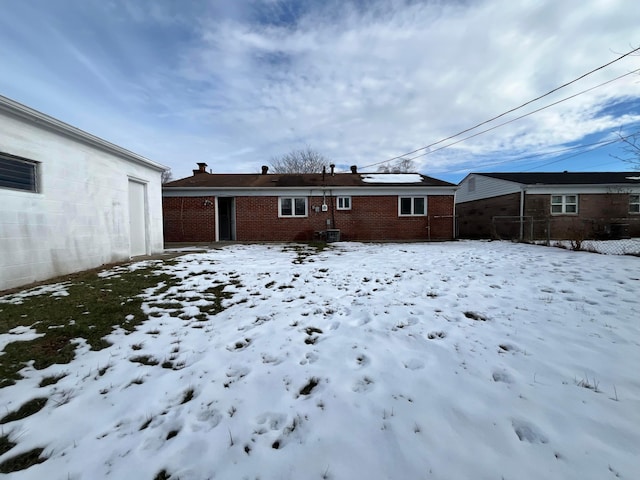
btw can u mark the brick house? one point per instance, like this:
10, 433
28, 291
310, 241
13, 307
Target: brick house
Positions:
209, 207
563, 205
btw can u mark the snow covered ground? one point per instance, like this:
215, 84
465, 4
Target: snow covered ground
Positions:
483, 360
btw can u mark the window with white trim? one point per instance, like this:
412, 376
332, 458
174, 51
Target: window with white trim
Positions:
634, 203
564, 204
344, 203
412, 206
292, 206
18, 173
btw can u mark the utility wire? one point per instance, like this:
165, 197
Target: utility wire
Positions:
508, 111
523, 116
562, 159
601, 143
595, 145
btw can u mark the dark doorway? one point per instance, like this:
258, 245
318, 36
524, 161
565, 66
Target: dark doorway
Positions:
226, 218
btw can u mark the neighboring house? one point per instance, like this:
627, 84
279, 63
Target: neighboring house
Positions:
210, 207
562, 205
70, 201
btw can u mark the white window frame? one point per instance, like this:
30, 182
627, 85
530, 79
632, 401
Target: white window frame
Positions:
17, 173
413, 206
341, 201
565, 205
634, 203
293, 207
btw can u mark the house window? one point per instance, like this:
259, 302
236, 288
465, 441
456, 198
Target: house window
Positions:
18, 173
564, 204
634, 203
293, 206
344, 203
412, 206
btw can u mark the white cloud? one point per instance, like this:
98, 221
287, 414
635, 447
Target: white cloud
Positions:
236, 83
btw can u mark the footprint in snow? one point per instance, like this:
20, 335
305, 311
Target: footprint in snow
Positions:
362, 360
364, 384
528, 432
210, 416
436, 335
309, 357
501, 376
270, 421
414, 364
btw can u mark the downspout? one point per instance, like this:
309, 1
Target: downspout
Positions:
522, 193
455, 224
333, 210
216, 221
182, 218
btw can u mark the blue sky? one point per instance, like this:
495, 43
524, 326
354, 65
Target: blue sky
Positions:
235, 83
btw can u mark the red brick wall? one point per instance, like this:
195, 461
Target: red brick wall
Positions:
475, 218
596, 212
189, 219
370, 218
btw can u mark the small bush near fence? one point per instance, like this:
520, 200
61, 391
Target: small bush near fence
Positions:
605, 236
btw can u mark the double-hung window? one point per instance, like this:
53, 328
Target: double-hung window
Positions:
292, 206
634, 203
344, 203
564, 204
18, 173
412, 206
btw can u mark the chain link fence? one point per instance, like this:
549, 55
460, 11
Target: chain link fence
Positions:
600, 235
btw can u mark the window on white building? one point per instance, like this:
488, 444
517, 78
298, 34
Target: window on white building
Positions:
18, 173
564, 204
292, 206
412, 206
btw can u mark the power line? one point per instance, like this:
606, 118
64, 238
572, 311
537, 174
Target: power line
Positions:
562, 159
596, 145
525, 115
601, 143
508, 111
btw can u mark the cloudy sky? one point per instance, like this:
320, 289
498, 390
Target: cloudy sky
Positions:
235, 83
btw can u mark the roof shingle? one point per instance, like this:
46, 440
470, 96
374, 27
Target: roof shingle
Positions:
271, 180
568, 178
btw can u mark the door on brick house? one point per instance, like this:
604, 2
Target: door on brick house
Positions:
226, 218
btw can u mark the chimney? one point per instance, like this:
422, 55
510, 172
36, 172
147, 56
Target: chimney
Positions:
354, 169
265, 169
202, 168
332, 167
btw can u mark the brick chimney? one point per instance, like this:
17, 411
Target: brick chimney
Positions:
354, 169
202, 168
265, 169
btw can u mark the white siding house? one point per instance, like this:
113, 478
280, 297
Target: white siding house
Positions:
70, 201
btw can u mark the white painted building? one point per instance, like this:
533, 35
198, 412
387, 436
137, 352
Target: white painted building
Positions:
70, 201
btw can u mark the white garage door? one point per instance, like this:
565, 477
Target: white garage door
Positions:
137, 218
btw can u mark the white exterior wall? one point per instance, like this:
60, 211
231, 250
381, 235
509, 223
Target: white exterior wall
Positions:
485, 187
79, 219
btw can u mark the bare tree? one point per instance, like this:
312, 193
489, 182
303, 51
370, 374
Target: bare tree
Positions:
404, 165
167, 176
304, 160
631, 147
